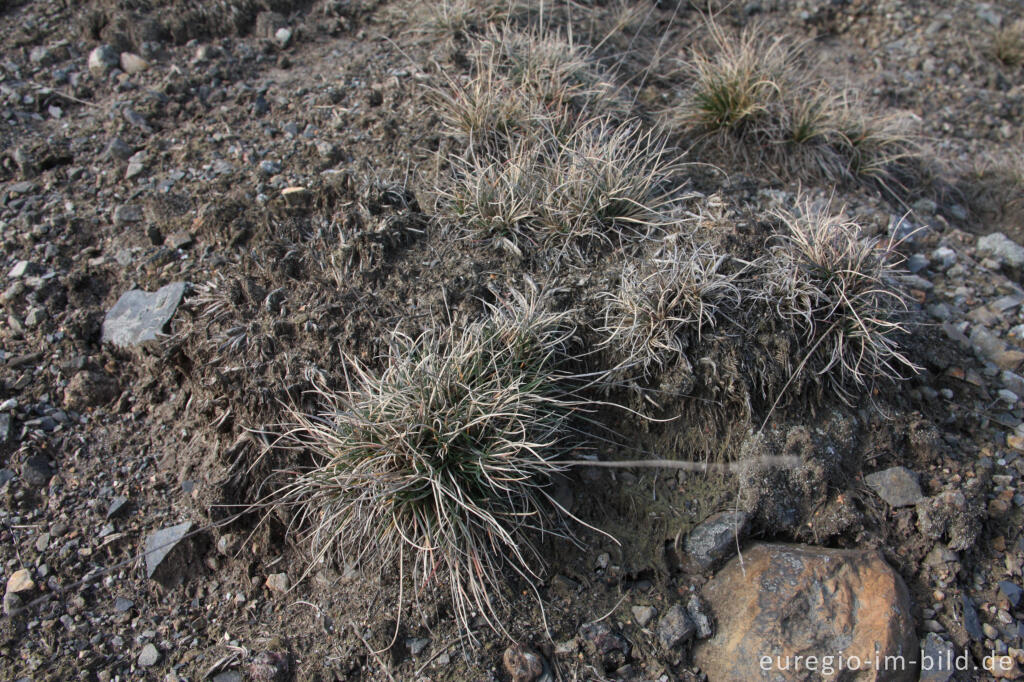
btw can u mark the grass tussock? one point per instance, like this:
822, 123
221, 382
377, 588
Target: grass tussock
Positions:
754, 101
524, 83
662, 304
841, 294
606, 183
1008, 44
438, 465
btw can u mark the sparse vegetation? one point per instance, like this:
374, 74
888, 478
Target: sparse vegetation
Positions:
605, 183
755, 102
438, 465
840, 293
1008, 44
679, 293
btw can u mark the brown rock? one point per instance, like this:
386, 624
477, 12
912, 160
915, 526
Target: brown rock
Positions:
277, 582
523, 664
795, 600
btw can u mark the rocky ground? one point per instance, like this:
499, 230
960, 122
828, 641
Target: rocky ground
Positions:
202, 155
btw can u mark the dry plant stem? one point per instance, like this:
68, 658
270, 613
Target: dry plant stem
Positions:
786, 462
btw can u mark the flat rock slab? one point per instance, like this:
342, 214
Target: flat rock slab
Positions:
795, 600
161, 543
140, 316
898, 486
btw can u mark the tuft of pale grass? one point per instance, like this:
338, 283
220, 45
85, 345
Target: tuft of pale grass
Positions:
560, 75
841, 294
499, 200
460, 18
437, 468
608, 183
486, 110
605, 183
661, 304
755, 102
1008, 44
737, 82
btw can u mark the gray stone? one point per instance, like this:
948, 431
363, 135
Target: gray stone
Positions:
606, 642
715, 538
416, 645
675, 627
12, 604
1012, 381
20, 269
136, 119
102, 60
36, 471
970, 618
944, 258
116, 505
268, 167
139, 316
35, 317
127, 214
938, 660
6, 432
898, 486
41, 55
917, 262
1011, 591
119, 149
228, 544
149, 657
23, 187
283, 36
643, 615
1002, 249
136, 165
42, 542
122, 605
697, 613
161, 543
985, 343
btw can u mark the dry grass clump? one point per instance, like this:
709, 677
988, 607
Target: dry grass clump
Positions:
604, 184
437, 466
560, 75
486, 110
1008, 44
753, 101
467, 17
841, 295
523, 82
664, 302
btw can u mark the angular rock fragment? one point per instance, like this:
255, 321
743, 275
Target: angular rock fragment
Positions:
140, 316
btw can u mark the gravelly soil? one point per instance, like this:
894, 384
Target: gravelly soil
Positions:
113, 181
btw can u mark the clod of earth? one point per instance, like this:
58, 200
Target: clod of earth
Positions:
139, 316
785, 600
